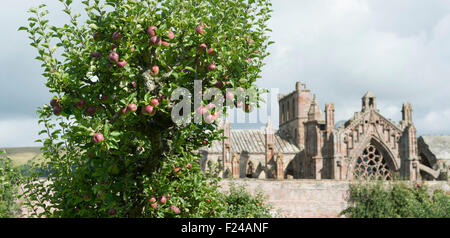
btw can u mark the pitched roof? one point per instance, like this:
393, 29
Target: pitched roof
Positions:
438, 145
252, 141
369, 94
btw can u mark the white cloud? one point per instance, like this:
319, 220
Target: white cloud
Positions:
400, 50
19, 132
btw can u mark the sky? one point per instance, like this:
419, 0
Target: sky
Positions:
340, 49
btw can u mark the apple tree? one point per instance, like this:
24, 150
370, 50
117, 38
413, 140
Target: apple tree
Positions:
112, 146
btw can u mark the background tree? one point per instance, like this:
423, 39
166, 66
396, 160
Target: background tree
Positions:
112, 148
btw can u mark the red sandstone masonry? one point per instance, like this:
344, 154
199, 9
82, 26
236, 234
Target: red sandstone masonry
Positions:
307, 198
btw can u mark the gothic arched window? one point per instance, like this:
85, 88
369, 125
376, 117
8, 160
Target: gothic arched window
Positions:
372, 165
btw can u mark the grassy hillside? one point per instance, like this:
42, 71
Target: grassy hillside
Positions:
21, 155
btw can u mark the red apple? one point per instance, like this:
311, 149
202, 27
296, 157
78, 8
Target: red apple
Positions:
163, 199
202, 47
152, 200
132, 107
200, 30
155, 70
54, 102
97, 138
122, 63
154, 205
209, 119
170, 35
123, 110
116, 36
149, 109
95, 54
90, 110
165, 43
189, 166
218, 84
175, 209
202, 110
114, 56
155, 102
80, 104
204, 142
112, 212
211, 67
133, 84
57, 110
229, 95
151, 31
210, 51
155, 40
211, 106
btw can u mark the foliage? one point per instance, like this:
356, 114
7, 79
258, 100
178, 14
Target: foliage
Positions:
241, 204
9, 186
378, 200
109, 157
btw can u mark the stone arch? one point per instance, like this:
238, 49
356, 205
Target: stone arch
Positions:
372, 160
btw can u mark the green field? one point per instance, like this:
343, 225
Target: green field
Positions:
21, 155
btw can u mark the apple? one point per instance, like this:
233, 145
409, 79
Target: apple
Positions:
132, 107
170, 34
114, 56
211, 67
133, 84
54, 102
202, 110
80, 104
95, 54
122, 63
175, 209
151, 31
90, 110
163, 199
112, 212
204, 142
210, 51
239, 105
229, 95
155, 102
209, 119
189, 166
165, 43
200, 30
57, 110
149, 109
211, 106
152, 200
116, 36
97, 138
202, 47
123, 110
155, 70
219, 84
155, 40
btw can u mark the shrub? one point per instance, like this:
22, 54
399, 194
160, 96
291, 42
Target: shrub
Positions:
9, 186
112, 146
241, 204
397, 200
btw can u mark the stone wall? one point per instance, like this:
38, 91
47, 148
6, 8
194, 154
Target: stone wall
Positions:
307, 198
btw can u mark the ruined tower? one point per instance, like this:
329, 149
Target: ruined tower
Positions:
294, 108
